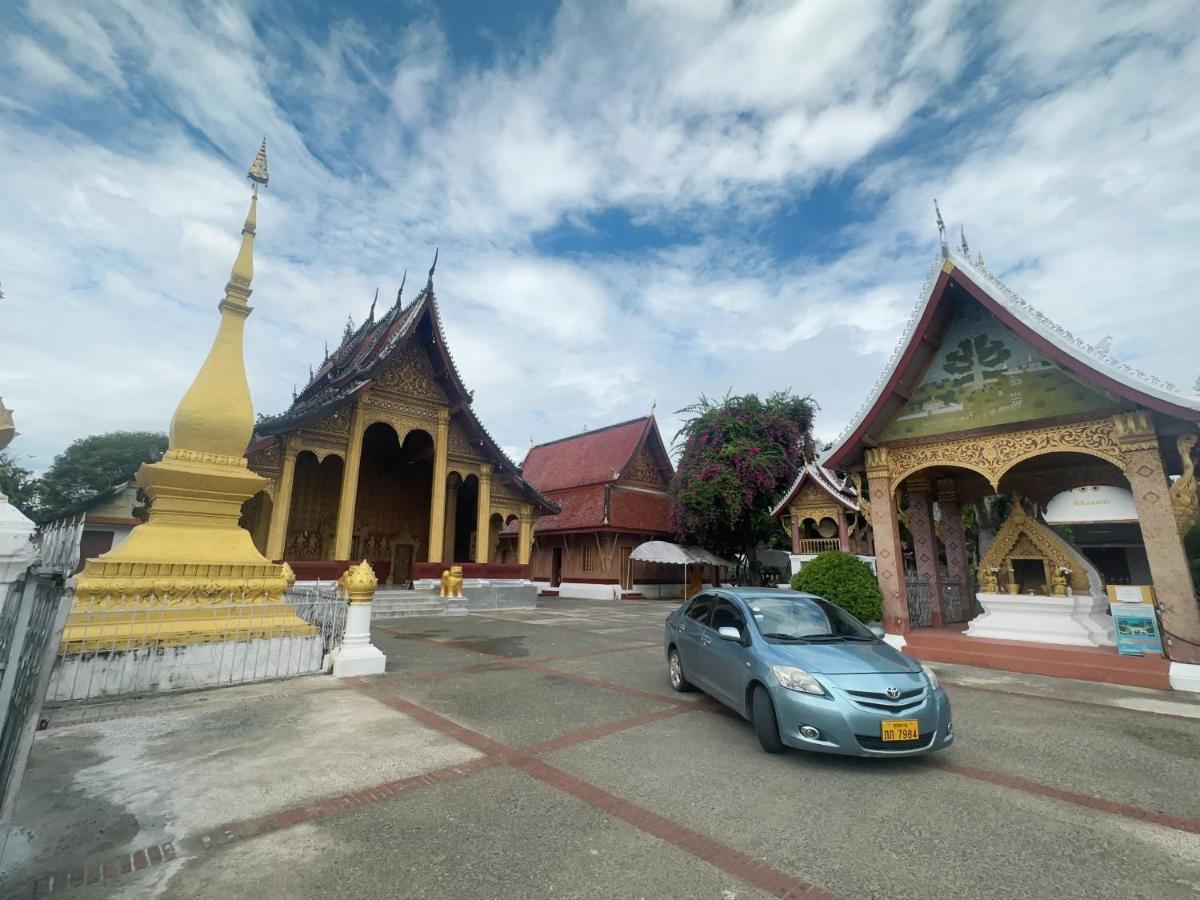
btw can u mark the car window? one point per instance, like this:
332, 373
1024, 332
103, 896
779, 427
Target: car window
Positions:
701, 606
726, 615
793, 617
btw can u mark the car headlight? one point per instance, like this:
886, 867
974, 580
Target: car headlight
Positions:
795, 679
931, 675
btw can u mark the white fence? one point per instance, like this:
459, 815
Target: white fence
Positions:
109, 652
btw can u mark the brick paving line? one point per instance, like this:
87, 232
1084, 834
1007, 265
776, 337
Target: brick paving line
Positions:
1167, 820
1052, 699
496, 754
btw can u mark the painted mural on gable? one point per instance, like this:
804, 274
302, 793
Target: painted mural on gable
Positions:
983, 375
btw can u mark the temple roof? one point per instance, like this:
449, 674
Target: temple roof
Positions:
583, 474
837, 486
595, 457
365, 352
953, 276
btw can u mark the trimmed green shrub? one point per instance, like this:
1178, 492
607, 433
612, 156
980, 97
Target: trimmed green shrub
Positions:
844, 580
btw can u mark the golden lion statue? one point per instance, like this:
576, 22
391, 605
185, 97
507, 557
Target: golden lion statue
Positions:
452, 580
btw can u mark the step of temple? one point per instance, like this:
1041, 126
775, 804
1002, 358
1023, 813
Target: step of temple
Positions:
393, 603
952, 645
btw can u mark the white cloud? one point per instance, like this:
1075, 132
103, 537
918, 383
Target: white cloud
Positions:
1072, 157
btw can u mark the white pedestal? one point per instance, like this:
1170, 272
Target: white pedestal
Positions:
357, 655
1184, 677
1082, 620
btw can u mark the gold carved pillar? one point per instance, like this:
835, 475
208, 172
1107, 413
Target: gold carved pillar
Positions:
925, 543
958, 564
345, 520
525, 533
483, 518
843, 532
282, 508
1164, 549
889, 563
437, 503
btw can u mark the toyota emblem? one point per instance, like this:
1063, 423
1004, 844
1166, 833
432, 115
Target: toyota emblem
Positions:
893, 692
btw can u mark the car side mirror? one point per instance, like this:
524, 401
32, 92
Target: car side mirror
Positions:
877, 631
729, 633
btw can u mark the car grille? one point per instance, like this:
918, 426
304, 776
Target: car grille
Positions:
877, 701
869, 742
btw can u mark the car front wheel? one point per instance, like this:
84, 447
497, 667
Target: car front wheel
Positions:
764, 721
675, 670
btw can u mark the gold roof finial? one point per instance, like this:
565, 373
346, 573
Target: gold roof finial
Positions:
258, 169
8, 430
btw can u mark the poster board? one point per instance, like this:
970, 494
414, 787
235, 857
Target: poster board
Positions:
1136, 628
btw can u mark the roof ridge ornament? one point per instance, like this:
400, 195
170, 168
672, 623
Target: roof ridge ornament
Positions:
432, 269
375, 299
962, 233
400, 293
941, 226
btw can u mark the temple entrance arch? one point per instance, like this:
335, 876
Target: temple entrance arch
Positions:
312, 518
466, 510
392, 503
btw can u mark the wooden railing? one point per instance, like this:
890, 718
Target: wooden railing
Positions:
818, 545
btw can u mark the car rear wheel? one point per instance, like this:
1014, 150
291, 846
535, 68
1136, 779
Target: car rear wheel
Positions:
764, 721
675, 670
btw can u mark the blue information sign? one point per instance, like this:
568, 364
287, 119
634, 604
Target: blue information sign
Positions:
1137, 629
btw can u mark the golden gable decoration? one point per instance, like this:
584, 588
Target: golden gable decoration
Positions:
1023, 537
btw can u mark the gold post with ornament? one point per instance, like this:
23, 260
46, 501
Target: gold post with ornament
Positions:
192, 556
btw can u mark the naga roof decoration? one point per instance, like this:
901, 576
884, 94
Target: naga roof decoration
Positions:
1083, 359
835, 484
365, 351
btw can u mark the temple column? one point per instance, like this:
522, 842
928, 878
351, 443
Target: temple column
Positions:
345, 520
1173, 587
889, 563
452, 489
483, 531
925, 545
437, 505
282, 507
525, 533
795, 533
843, 532
954, 536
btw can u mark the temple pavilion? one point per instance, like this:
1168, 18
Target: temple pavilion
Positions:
821, 512
611, 486
985, 397
381, 457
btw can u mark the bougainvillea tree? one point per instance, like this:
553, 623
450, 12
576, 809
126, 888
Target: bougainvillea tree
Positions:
737, 458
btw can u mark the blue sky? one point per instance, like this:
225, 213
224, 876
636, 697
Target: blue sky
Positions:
635, 202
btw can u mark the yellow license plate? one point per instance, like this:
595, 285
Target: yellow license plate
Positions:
901, 730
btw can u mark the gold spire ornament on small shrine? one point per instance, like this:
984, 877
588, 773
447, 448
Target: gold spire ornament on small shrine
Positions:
192, 559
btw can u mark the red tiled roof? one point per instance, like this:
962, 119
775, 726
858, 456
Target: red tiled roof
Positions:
582, 508
640, 510
590, 458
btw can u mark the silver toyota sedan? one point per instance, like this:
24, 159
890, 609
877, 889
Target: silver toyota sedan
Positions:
806, 673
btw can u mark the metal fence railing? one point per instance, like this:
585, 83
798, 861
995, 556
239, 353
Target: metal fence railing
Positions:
31, 620
920, 602
130, 649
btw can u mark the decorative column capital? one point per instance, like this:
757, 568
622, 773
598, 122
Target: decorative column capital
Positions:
485, 471
359, 582
918, 483
443, 416
947, 491
877, 462
1135, 430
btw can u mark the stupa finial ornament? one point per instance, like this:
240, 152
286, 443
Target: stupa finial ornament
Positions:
8, 430
258, 174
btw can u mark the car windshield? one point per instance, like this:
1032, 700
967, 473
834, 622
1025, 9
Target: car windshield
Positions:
805, 620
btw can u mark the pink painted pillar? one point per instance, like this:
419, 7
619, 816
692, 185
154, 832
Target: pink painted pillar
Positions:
925, 544
843, 533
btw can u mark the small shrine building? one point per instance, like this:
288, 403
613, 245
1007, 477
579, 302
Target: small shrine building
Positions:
381, 457
985, 396
820, 512
611, 486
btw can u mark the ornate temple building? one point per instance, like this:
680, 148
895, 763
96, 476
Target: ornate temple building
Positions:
381, 457
984, 396
611, 486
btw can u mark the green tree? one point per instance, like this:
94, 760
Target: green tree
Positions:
18, 484
844, 580
976, 357
738, 456
92, 464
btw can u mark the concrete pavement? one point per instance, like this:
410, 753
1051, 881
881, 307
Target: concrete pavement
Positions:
541, 753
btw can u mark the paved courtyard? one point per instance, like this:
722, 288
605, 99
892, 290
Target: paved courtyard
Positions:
542, 754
